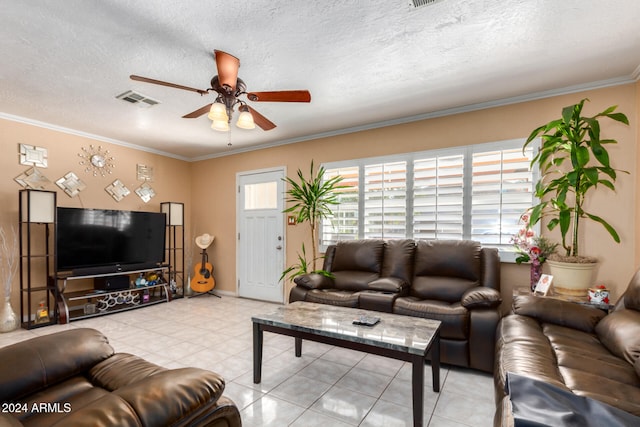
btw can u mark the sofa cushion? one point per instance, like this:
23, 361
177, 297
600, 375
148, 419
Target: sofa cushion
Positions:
445, 269
358, 255
333, 297
620, 333
40, 363
632, 294
353, 280
398, 259
454, 317
563, 313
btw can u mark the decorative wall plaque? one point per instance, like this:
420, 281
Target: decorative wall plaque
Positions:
144, 172
117, 190
33, 156
145, 192
32, 178
71, 184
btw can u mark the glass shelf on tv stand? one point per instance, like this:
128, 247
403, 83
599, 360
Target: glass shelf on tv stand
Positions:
100, 302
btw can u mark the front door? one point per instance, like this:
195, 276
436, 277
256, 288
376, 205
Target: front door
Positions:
260, 256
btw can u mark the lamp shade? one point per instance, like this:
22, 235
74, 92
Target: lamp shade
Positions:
222, 126
174, 212
38, 206
245, 121
218, 112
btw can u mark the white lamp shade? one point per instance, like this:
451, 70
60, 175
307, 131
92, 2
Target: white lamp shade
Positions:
218, 112
245, 121
38, 206
220, 126
174, 212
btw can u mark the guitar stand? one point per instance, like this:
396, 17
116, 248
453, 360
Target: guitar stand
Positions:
197, 294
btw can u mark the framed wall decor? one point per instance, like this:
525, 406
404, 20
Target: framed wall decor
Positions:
33, 156
145, 192
96, 160
71, 184
32, 178
117, 190
144, 172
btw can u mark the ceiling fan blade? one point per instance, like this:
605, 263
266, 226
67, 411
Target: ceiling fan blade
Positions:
161, 83
281, 96
261, 120
198, 112
227, 65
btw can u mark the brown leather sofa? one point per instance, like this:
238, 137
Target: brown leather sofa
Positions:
74, 378
454, 281
582, 351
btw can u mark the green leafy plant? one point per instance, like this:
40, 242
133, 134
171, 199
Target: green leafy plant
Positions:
573, 161
312, 199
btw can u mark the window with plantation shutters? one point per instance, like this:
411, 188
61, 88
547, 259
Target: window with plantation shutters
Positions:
474, 192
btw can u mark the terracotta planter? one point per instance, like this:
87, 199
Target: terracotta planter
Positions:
572, 278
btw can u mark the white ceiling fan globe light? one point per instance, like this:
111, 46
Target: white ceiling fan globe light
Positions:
220, 125
218, 112
245, 121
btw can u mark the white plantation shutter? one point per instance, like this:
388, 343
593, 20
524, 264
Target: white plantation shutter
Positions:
502, 190
385, 195
475, 192
438, 197
343, 225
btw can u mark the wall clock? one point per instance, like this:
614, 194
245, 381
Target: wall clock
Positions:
96, 160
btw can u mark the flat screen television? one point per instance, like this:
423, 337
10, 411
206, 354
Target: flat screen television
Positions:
100, 241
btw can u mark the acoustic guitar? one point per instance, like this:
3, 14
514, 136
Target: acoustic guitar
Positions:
203, 280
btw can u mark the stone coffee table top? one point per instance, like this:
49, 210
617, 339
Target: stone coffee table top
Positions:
396, 332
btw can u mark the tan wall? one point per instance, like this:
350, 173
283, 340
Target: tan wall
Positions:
215, 212
208, 187
171, 182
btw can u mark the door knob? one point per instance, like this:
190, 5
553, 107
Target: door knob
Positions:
278, 247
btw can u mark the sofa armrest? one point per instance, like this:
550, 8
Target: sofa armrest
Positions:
314, 281
558, 312
389, 284
481, 297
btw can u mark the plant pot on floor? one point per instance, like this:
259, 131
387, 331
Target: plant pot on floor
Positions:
570, 278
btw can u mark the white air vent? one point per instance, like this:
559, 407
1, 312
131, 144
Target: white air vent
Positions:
419, 3
137, 98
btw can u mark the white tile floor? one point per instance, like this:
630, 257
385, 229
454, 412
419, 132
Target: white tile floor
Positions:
326, 387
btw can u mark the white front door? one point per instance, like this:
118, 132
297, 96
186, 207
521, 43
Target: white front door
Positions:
260, 255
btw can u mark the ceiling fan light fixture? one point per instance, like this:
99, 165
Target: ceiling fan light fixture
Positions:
218, 112
220, 125
245, 121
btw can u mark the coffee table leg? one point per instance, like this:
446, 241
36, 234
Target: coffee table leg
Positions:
257, 353
417, 385
435, 362
298, 347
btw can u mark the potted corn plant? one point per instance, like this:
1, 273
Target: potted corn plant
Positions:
311, 200
573, 161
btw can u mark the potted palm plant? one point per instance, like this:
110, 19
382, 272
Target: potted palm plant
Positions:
573, 161
312, 199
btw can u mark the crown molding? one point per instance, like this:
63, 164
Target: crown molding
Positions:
632, 78
442, 113
80, 133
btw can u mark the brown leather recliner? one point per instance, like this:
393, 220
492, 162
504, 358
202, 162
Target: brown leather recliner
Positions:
582, 351
456, 282
75, 378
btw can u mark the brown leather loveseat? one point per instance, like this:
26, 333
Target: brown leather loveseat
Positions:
454, 281
74, 378
586, 356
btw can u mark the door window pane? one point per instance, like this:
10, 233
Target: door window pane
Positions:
263, 195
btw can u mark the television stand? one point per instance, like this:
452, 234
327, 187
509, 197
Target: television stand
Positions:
88, 303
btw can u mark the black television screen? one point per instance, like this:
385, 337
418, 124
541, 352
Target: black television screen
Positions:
101, 241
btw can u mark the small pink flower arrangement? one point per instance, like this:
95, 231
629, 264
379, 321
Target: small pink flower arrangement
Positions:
531, 248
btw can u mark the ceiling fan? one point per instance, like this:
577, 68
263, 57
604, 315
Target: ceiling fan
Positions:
229, 88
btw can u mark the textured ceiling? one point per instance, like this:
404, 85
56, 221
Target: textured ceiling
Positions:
366, 63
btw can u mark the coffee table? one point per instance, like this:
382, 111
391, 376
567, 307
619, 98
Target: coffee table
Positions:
406, 338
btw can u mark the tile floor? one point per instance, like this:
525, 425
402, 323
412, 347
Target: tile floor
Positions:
327, 386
